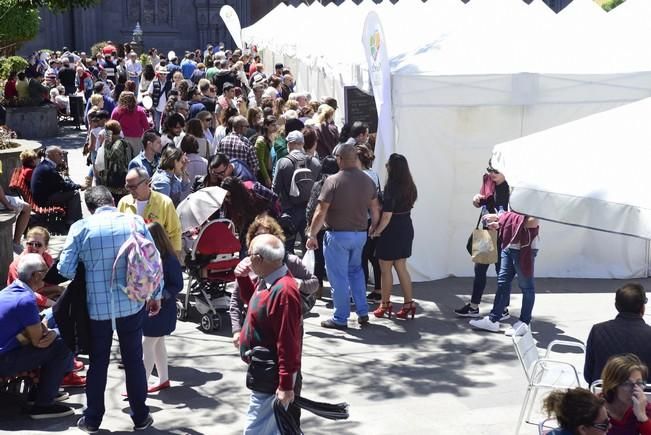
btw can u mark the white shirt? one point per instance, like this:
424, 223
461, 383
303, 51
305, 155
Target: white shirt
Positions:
134, 69
140, 207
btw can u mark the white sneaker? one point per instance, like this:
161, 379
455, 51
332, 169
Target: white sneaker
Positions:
486, 324
517, 329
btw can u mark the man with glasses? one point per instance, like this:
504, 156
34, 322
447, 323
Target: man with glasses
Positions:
49, 188
27, 344
626, 333
220, 167
151, 206
236, 146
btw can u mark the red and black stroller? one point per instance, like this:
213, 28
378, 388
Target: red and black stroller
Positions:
210, 265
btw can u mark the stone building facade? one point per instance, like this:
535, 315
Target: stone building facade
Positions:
177, 25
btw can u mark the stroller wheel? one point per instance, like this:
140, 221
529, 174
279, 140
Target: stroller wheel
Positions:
181, 312
210, 322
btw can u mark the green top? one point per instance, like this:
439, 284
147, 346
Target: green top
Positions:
280, 147
211, 72
264, 157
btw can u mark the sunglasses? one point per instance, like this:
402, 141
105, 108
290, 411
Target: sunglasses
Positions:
216, 172
631, 385
34, 244
492, 171
130, 187
601, 426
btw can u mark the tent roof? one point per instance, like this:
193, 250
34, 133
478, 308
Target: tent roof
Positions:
449, 37
592, 172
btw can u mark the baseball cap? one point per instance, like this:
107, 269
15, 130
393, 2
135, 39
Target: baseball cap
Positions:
295, 136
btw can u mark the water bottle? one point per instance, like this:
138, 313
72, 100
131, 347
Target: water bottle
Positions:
500, 211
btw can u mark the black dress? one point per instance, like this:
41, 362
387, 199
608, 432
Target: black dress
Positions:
395, 241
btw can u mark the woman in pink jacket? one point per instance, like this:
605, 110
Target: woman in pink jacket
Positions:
132, 119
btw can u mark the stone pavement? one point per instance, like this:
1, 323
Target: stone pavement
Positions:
432, 375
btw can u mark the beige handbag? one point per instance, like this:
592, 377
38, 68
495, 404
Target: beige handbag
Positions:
484, 246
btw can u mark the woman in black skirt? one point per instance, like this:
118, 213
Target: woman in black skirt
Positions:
395, 234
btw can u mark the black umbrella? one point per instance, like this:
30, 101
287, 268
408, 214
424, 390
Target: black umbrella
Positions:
337, 411
287, 424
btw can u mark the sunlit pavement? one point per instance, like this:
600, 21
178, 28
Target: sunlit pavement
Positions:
430, 375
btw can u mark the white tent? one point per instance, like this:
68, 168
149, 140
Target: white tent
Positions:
466, 77
594, 172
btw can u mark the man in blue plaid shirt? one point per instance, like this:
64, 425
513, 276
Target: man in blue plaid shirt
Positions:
95, 241
236, 146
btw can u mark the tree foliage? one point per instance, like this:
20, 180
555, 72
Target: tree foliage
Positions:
17, 23
611, 4
20, 20
55, 5
12, 64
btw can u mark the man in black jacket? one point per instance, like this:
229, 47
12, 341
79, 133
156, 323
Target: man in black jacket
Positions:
49, 188
626, 333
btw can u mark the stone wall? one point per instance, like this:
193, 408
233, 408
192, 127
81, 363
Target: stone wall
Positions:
6, 244
35, 122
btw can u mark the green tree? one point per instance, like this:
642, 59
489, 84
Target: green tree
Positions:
19, 19
17, 23
611, 4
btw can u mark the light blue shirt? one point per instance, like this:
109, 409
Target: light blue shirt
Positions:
95, 241
170, 185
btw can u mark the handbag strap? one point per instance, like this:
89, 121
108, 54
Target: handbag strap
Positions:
479, 220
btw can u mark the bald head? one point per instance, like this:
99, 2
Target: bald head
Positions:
54, 153
348, 155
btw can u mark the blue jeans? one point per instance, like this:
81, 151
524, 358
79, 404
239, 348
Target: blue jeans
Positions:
299, 221
130, 335
157, 117
509, 268
260, 419
54, 361
479, 282
343, 257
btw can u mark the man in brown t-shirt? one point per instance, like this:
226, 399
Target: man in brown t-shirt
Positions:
344, 203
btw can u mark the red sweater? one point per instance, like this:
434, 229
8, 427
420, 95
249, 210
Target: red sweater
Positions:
274, 320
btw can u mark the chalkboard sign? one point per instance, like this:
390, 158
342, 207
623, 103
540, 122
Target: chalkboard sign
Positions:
360, 106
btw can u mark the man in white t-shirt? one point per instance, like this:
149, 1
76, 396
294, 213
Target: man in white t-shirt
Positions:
152, 206
22, 209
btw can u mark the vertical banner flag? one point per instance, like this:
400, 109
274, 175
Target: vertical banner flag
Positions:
375, 47
232, 22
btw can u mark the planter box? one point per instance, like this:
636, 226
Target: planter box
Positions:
34, 122
10, 160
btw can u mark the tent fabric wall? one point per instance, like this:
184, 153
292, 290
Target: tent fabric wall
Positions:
466, 77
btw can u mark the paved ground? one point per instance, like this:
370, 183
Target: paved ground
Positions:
432, 375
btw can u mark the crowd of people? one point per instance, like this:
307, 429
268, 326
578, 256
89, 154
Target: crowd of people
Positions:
158, 133
295, 182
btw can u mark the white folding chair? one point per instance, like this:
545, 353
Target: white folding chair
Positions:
542, 373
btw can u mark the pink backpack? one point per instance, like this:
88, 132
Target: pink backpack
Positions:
144, 267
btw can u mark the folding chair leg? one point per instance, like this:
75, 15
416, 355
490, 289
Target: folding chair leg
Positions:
531, 403
525, 402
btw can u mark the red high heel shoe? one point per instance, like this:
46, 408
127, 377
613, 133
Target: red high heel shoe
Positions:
384, 308
407, 309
